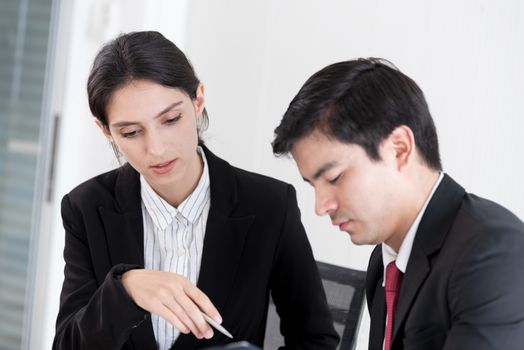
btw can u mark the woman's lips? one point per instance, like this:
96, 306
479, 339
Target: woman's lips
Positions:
163, 168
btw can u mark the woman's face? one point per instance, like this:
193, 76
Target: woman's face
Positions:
155, 129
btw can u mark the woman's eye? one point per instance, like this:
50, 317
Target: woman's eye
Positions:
130, 134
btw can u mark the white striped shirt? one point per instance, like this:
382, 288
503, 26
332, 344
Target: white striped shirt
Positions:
173, 239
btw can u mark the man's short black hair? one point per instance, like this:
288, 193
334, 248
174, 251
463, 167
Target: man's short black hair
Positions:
360, 102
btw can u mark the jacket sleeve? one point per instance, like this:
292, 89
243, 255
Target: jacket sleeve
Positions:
485, 294
300, 300
92, 315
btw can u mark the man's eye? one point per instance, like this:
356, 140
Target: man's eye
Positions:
334, 181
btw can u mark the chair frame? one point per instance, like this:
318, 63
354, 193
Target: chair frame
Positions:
356, 279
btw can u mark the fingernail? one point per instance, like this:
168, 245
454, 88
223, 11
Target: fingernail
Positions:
209, 334
218, 319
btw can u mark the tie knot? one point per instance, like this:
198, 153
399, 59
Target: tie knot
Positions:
393, 277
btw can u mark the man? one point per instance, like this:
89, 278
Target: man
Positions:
447, 269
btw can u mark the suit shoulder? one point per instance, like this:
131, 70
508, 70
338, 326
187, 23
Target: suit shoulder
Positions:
485, 226
99, 186
258, 179
260, 184
485, 215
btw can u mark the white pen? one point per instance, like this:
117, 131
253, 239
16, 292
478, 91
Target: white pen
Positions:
217, 326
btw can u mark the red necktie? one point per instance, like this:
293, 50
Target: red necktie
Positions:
393, 282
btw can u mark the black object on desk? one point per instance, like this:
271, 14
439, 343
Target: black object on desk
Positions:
242, 345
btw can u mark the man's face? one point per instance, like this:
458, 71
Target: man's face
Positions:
362, 196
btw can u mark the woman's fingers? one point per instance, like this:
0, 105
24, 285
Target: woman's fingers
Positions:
188, 313
203, 302
173, 298
166, 313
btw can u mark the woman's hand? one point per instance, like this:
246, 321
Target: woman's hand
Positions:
172, 297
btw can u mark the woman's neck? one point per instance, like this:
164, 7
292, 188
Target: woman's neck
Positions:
175, 194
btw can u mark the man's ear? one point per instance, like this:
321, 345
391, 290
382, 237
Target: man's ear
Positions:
402, 147
104, 129
200, 100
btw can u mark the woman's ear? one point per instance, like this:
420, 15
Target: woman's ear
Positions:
200, 100
104, 129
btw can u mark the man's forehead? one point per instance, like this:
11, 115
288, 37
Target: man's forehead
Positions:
314, 158
317, 144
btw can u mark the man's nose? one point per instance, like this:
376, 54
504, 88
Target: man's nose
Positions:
325, 203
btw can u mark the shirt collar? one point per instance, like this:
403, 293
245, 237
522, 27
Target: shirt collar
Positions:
162, 213
402, 258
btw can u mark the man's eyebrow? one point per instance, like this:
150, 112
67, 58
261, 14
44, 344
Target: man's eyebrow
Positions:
325, 167
165, 110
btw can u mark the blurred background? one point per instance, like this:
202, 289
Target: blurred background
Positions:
252, 56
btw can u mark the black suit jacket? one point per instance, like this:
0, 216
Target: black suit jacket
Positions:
464, 282
254, 243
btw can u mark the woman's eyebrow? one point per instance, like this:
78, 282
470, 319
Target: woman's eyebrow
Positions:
165, 110
168, 108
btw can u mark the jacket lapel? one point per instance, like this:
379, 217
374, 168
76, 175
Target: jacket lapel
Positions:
416, 272
124, 231
378, 318
123, 224
431, 233
376, 299
223, 242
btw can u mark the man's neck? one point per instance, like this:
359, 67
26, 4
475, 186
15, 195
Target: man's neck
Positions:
422, 185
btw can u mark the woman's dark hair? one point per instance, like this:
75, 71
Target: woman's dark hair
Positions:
139, 56
360, 102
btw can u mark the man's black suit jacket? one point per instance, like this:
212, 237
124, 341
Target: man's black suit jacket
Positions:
464, 282
254, 243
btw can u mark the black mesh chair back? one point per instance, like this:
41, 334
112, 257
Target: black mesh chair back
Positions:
345, 295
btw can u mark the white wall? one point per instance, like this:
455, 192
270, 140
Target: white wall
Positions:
253, 57
465, 55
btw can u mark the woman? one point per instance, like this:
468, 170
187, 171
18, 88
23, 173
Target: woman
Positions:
176, 229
